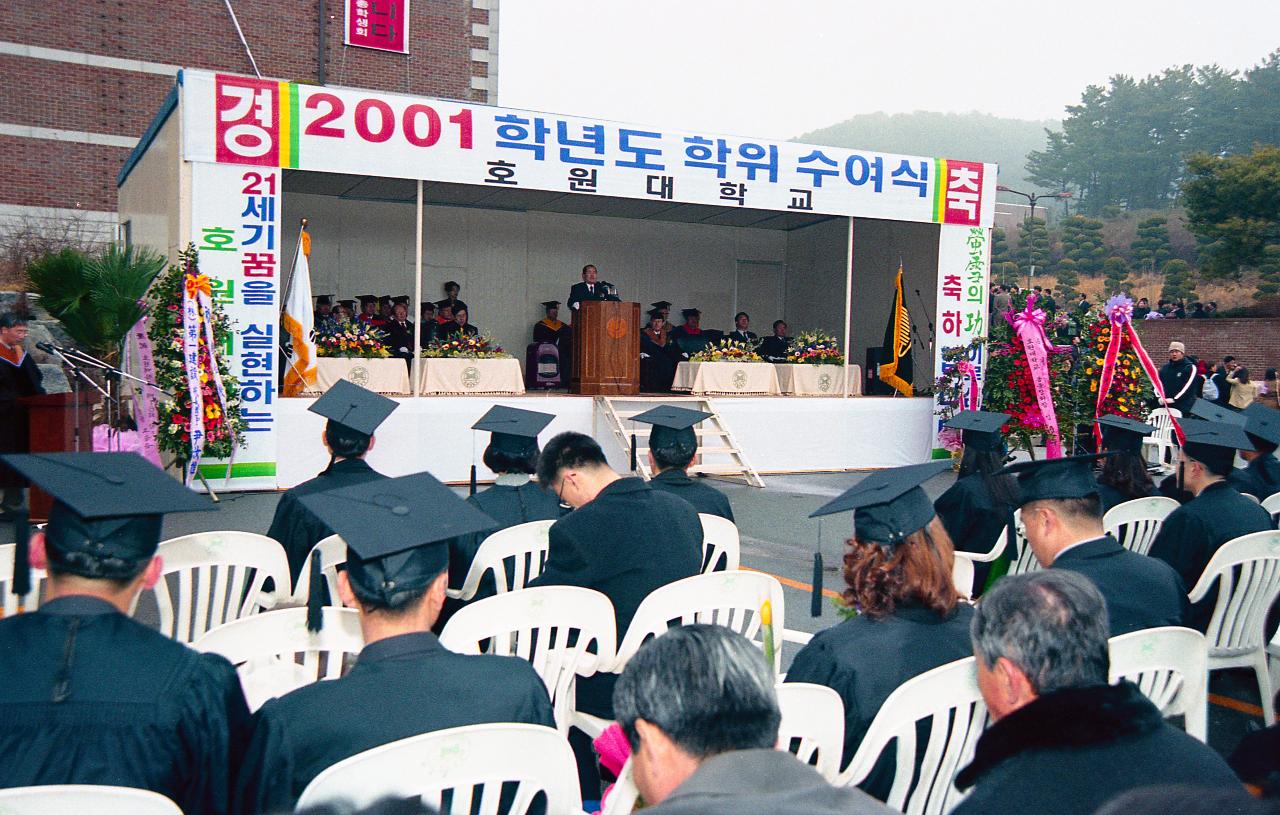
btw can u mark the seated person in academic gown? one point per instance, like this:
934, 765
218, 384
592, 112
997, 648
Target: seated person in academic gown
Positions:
672, 445
1193, 532
742, 322
658, 355
385, 305
1260, 477
87, 694
549, 329
897, 569
323, 310
427, 319
663, 307
1123, 476
1062, 514
691, 337
400, 330
978, 508
369, 311
444, 317
774, 349
404, 683
345, 311
459, 326
1171, 486
353, 414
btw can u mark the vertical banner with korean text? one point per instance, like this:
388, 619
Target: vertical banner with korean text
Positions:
235, 225
964, 257
379, 24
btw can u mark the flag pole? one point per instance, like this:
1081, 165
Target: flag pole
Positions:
293, 264
416, 369
848, 311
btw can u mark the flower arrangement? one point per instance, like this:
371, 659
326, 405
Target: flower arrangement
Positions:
476, 346
727, 351
351, 338
1130, 388
223, 432
815, 348
953, 388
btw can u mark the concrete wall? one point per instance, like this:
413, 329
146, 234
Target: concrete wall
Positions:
1254, 342
149, 199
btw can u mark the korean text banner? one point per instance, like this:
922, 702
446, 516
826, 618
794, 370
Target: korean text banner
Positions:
379, 24
964, 260
241, 120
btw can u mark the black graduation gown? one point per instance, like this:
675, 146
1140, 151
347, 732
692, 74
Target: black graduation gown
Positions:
1260, 477
142, 710
401, 686
690, 344
1071, 751
297, 529
865, 660
774, 348
1112, 497
974, 520
430, 328
704, 498
449, 329
1178, 379
630, 540
657, 364
16, 381
1192, 533
1141, 592
558, 337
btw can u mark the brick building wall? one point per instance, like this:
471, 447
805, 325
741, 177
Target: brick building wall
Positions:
1254, 342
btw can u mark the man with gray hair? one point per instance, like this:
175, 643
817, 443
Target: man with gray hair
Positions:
699, 708
1063, 740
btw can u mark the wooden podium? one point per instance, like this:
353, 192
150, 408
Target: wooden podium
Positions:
606, 349
52, 422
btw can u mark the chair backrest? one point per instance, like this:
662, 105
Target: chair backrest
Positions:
219, 578
949, 698
1247, 572
78, 799
721, 545
1026, 561
9, 602
1171, 666
1272, 504
962, 574
274, 652
731, 599
333, 553
1136, 523
1162, 420
812, 725
472, 763
563, 631
523, 547
1252, 497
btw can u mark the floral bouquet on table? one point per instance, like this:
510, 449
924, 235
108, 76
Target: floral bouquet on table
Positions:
815, 348
349, 340
727, 351
478, 346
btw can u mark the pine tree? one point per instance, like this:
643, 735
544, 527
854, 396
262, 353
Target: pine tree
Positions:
1082, 243
1117, 273
1151, 248
1269, 283
1033, 245
1178, 282
1067, 281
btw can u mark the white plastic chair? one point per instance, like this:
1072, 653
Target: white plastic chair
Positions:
79, 799
333, 553
1026, 561
524, 545
473, 763
563, 631
948, 696
219, 576
813, 715
1170, 665
274, 653
1252, 497
1272, 504
9, 602
1246, 571
1136, 523
721, 544
1161, 441
962, 574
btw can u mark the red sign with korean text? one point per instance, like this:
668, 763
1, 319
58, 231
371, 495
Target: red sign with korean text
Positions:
962, 197
379, 24
248, 120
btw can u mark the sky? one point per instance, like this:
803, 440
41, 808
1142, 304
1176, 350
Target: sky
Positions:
778, 69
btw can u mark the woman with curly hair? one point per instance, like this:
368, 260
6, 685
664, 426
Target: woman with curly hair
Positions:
907, 618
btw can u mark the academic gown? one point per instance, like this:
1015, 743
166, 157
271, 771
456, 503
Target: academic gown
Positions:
657, 363
19, 376
297, 529
401, 686
704, 498
974, 520
1259, 478
690, 343
1141, 592
865, 659
1193, 532
556, 333
141, 710
448, 330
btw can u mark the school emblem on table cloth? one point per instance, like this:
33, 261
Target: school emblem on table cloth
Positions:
739, 379
824, 382
470, 377
358, 375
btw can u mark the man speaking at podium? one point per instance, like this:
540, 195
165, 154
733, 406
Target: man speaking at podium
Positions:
591, 289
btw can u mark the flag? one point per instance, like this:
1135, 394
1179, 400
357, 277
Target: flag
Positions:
897, 344
299, 320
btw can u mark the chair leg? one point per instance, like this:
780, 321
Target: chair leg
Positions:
1265, 689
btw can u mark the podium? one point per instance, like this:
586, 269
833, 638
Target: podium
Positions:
606, 349
52, 421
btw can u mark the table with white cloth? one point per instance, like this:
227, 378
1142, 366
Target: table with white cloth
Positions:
458, 376
389, 376
726, 379
818, 380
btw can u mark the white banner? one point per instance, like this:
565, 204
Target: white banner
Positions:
241, 120
235, 224
964, 261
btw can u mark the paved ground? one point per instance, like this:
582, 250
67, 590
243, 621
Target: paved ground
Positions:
777, 537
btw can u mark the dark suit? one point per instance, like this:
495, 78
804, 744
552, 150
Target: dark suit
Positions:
703, 497
1141, 592
142, 711
596, 291
450, 329
401, 686
741, 336
1259, 478
774, 348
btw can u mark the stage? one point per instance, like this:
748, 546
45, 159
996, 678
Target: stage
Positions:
777, 434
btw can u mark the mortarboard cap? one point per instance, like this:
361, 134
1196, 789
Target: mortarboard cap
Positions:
384, 298
980, 429
324, 300
427, 305
367, 298
690, 312
1210, 412
354, 407
1122, 434
889, 504
550, 303
515, 431
1263, 424
655, 312
661, 304
347, 304
1214, 444
1055, 479
402, 300
672, 426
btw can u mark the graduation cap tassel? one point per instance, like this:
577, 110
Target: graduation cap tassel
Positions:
21, 585
472, 487
635, 465
315, 603
815, 598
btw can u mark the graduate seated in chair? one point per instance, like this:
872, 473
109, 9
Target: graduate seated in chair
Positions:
672, 445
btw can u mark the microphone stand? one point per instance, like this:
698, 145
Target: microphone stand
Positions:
76, 376
114, 411
929, 317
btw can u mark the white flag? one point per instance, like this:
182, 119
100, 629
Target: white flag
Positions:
298, 321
